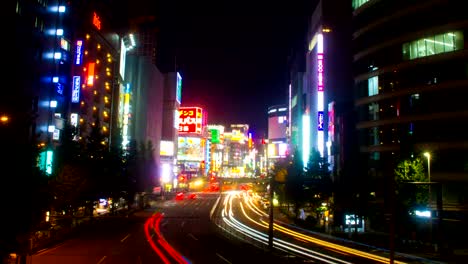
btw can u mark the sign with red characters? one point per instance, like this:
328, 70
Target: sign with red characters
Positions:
190, 120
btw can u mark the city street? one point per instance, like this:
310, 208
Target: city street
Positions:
185, 225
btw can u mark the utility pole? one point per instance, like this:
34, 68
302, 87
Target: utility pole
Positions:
392, 220
270, 222
270, 193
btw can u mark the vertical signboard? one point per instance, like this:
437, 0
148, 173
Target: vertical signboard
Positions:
78, 52
179, 88
90, 80
75, 98
320, 95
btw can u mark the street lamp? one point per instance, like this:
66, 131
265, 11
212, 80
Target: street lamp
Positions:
428, 156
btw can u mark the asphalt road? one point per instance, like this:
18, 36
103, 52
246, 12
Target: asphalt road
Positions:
112, 240
184, 225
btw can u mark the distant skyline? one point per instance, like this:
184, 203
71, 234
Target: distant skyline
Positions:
233, 58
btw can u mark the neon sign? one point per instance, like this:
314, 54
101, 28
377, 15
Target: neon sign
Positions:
59, 88
76, 89
190, 120
320, 95
179, 88
79, 52
96, 21
320, 120
320, 72
90, 81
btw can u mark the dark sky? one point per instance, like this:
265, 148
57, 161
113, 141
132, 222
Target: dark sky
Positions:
232, 55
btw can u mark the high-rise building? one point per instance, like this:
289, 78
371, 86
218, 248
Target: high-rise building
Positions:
94, 76
37, 104
410, 81
320, 81
320, 98
235, 150
64, 72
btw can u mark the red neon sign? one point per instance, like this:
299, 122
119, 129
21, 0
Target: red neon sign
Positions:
96, 21
190, 120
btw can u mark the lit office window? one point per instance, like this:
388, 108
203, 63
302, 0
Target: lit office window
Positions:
373, 85
432, 45
358, 3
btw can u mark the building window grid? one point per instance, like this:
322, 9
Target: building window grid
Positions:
432, 45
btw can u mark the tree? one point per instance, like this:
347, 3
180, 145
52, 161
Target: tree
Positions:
318, 182
70, 187
318, 167
410, 170
406, 172
294, 184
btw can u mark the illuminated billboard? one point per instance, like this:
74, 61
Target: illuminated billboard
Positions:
237, 135
277, 150
166, 148
190, 120
215, 136
190, 149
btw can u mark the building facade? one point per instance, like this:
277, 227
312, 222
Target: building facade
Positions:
410, 81
278, 132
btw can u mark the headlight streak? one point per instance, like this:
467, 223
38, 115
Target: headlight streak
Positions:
214, 207
303, 237
226, 200
279, 244
254, 208
332, 245
248, 217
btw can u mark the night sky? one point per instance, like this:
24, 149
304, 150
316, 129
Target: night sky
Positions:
232, 55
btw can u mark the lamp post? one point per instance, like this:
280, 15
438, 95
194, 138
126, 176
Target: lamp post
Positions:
270, 193
428, 156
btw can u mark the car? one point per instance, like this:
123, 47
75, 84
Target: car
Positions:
192, 196
179, 196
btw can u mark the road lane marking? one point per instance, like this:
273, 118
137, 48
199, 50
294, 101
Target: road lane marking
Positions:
123, 239
102, 260
192, 236
223, 258
48, 250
